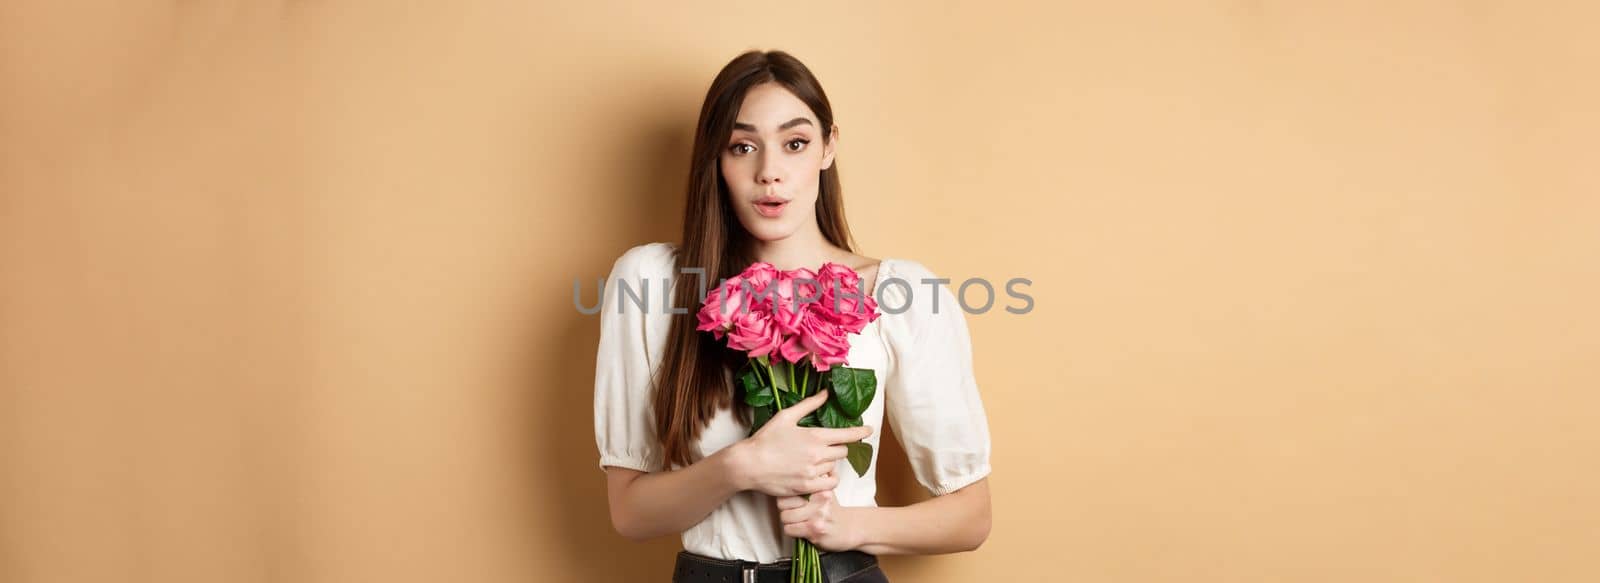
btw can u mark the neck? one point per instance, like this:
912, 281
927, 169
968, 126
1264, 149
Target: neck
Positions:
806, 248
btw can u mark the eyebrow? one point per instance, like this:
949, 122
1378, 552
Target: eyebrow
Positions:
739, 125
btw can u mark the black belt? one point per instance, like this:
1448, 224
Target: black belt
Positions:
836, 566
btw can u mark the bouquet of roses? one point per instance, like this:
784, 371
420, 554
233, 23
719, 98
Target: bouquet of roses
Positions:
793, 326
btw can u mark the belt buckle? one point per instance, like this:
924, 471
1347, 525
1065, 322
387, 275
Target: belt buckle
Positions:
749, 574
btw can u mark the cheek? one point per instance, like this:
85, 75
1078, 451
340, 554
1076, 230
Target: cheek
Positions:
811, 169
729, 168
737, 179
815, 160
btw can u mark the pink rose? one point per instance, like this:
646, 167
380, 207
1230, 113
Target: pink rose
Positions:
843, 301
809, 332
760, 275
736, 296
754, 333
720, 306
825, 341
795, 294
847, 278
790, 315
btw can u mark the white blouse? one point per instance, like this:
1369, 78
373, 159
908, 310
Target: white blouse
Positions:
926, 386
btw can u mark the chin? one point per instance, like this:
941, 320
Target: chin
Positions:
770, 232
767, 236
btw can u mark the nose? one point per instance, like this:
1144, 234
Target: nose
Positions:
768, 172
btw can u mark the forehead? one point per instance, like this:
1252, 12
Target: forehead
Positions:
768, 105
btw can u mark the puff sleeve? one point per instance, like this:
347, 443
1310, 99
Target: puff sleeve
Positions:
931, 394
631, 340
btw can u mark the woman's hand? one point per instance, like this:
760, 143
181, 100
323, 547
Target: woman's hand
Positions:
785, 459
820, 520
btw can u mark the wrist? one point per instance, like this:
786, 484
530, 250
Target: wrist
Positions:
858, 527
733, 464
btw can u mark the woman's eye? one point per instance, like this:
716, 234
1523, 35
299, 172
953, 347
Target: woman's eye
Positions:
738, 148
797, 144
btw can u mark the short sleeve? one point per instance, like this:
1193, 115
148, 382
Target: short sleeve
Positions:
931, 395
630, 342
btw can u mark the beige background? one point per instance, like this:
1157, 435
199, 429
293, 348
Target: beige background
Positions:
287, 286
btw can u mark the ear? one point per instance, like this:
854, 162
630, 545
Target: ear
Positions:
831, 148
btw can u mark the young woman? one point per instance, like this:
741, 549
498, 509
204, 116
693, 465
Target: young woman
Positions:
764, 186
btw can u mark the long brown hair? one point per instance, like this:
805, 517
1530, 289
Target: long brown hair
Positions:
695, 377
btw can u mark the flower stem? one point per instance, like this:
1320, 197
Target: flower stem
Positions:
805, 375
760, 367
772, 386
816, 564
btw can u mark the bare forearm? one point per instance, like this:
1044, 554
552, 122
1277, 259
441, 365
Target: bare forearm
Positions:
953, 523
670, 502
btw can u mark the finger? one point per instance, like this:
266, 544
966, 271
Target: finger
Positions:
798, 530
817, 470
788, 502
813, 508
800, 514
805, 406
835, 453
827, 482
843, 434
823, 498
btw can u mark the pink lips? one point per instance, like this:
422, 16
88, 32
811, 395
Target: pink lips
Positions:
771, 206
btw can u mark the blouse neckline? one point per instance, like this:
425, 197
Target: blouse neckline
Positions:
877, 280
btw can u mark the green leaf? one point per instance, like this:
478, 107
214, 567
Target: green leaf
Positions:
761, 397
762, 416
790, 399
854, 388
860, 456
832, 417
780, 378
755, 394
810, 420
751, 380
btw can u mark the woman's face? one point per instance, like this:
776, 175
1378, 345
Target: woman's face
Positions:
773, 161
